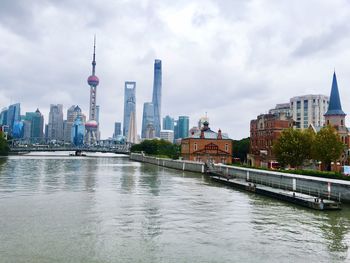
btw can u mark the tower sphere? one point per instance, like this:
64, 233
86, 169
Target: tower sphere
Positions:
91, 124
93, 80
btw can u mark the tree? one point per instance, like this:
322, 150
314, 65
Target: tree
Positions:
4, 147
293, 147
327, 146
240, 149
157, 147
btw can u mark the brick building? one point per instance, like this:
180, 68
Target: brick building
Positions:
264, 131
207, 145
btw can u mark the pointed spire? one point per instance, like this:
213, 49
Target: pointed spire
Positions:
93, 58
334, 107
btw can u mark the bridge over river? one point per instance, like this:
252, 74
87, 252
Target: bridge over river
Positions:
104, 146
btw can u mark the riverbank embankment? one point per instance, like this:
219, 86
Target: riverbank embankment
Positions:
322, 187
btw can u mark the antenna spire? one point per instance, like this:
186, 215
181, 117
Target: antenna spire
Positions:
94, 57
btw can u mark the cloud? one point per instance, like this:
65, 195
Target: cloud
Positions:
232, 59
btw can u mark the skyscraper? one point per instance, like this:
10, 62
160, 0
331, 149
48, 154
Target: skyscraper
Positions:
33, 126
37, 125
176, 129
157, 95
129, 105
13, 115
183, 126
147, 118
77, 131
117, 129
168, 123
92, 133
55, 126
72, 114
27, 125
17, 131
132, 131
3, 116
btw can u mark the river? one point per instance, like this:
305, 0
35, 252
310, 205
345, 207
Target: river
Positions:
110, 209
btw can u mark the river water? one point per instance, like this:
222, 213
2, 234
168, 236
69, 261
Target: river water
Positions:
97, 209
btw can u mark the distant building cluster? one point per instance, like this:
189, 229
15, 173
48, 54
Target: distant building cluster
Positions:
302, 112
79, 128
74, 130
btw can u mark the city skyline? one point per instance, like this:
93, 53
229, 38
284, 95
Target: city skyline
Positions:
222, 56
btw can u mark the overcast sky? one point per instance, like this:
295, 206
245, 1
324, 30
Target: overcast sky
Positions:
233, 59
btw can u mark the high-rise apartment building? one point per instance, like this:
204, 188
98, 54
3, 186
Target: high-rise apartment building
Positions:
167, 135
309, 109
13, 116
55, 125
157, 95
147, 120
129, 104
168, 123
183, 126
117, 129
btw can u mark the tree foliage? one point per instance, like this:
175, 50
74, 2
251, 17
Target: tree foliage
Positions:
157, 147
327, 146
4, 147
293, 147
240, 149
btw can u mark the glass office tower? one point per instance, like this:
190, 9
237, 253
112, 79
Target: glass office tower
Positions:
129, 104
157, 95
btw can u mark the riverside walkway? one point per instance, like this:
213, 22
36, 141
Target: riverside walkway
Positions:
302, 199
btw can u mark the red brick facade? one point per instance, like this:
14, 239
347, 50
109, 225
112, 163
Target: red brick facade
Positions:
264, 131
207, 146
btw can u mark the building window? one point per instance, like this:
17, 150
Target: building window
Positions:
226, 147
341, 122
327, 122
195, 146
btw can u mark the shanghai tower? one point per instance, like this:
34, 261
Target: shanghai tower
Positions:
157, 95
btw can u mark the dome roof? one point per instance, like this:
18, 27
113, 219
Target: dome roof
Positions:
93, 80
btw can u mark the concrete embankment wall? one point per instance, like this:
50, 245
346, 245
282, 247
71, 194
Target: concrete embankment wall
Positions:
175, 164
322, 187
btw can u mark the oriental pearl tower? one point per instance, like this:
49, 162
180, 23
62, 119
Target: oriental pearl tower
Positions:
92, 133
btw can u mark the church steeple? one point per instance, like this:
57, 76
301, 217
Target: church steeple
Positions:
334, 107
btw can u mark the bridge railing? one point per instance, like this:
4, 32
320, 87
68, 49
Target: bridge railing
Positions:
125, 148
